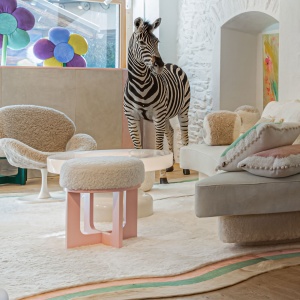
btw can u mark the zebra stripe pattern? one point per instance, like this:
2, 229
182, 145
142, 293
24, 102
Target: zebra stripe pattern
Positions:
154, 91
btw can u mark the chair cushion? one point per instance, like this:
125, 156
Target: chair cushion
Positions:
241, 193
102, 173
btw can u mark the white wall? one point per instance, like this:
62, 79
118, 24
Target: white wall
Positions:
199, 43
167, 32
238, 69
289, 50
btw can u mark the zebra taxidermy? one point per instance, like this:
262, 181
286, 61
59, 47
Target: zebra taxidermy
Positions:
154, 91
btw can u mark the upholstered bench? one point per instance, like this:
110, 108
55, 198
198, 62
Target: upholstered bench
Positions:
251, 209
89, 175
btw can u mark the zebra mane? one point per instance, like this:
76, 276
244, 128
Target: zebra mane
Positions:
148, 27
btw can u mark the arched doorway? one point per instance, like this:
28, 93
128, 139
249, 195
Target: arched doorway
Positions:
241, 59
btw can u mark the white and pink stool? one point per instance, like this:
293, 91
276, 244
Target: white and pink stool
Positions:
89, 175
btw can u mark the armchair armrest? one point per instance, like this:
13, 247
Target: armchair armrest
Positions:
81, 142
21, 155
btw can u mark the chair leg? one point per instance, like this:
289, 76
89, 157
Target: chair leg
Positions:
44, 193
131, 214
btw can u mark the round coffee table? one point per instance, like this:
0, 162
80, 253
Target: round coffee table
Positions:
153, 160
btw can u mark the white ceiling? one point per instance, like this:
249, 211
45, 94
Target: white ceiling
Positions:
250, 22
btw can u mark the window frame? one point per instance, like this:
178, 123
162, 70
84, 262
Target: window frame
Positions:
122, 22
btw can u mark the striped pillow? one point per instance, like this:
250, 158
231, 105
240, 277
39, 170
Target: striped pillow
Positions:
260, 137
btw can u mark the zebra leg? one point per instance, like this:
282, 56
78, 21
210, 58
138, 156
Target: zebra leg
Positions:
160, 126
169, 132
184, 122
135, 132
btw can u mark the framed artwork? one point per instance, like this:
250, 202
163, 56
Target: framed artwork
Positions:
270, 67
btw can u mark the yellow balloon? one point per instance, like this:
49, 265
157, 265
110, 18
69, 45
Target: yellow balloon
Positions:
78, 43
52, 62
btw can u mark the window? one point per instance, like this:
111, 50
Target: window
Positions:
103, 26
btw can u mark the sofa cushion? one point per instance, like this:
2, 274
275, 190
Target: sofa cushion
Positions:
241, 193
260, 137
221, 128
277, 162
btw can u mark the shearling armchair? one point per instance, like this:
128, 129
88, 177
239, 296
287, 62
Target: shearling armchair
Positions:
29, 134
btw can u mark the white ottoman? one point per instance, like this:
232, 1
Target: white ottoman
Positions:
117, 174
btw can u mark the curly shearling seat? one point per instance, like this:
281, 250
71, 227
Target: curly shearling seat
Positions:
118, 174
29, 134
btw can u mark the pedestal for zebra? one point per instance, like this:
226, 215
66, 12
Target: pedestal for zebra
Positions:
153, 160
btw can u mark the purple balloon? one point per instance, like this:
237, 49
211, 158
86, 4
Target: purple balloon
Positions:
77, 61
1, 40
43, 49
24, 18
8, 6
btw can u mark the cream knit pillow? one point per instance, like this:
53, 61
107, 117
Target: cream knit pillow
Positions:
249, 116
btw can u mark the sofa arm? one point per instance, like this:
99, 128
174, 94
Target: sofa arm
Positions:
81, 142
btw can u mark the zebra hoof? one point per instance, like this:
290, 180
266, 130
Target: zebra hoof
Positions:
186, 172
163, 181
171, 169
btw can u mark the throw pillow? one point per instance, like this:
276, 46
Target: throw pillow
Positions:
278, 162
249, 116
269, 119
221, 128
260, 137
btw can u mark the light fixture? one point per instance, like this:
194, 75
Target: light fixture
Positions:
107, 2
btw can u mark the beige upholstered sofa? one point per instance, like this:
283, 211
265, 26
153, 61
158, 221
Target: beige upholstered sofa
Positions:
250, 208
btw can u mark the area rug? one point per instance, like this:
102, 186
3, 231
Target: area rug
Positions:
172, 241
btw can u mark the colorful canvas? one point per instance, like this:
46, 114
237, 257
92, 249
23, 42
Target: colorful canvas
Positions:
270, 67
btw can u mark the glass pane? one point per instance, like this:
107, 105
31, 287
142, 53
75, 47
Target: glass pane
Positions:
96, 22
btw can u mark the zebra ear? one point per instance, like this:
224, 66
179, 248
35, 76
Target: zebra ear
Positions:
138, 22
156, 23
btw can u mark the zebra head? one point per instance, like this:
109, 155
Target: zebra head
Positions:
144, 45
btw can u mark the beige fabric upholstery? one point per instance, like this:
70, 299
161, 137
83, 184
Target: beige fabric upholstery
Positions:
81, 142
29, 134
259, 228
98, 173
221, 128
249, 116
41, 128
242, 193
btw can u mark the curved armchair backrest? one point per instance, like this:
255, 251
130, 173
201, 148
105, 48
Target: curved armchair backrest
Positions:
39, 127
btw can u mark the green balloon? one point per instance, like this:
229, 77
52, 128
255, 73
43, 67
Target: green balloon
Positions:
19, 39
8, 23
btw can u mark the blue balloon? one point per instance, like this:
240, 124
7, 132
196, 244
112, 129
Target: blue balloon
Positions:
59, 35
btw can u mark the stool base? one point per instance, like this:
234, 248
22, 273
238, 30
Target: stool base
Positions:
90, 235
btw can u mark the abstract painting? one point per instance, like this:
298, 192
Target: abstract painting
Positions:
270, 67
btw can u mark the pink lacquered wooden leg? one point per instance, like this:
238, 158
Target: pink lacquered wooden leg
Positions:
131, 213
74, 236
117, 222
88, 209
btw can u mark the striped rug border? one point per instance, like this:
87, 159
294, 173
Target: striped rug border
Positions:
206, 273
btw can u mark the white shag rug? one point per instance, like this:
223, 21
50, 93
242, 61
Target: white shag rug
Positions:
33, 257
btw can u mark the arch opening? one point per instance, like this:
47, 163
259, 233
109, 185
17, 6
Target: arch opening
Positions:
241, 59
